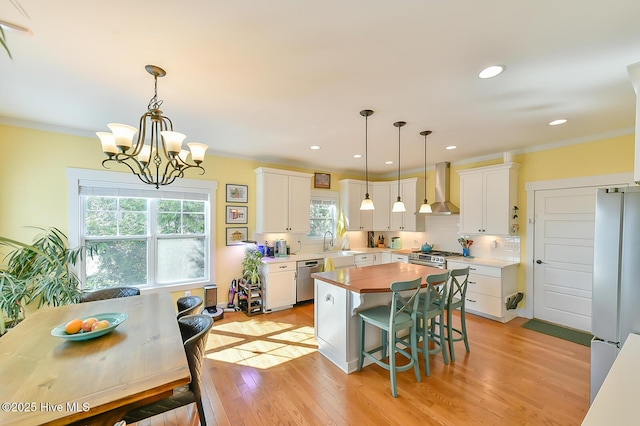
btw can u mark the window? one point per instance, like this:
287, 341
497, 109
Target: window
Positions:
143, 237
323, 216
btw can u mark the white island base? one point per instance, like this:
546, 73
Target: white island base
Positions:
341, 294
337, 323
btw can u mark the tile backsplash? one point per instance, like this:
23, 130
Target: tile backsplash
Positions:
442, 231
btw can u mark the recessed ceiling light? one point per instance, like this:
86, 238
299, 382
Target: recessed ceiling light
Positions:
492, 71
451, 147
357, 155
558, 121
388, 162
314, 147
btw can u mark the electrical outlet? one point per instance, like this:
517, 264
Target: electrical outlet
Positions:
187, 293
512, 246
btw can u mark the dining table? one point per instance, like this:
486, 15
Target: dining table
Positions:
47, 379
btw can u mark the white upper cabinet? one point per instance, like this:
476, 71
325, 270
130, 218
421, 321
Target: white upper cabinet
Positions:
351, 195
411, 190
382, 200
383, 194
487, 197
283, 200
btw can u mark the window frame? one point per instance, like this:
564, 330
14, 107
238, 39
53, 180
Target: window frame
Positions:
80, 177
333, 196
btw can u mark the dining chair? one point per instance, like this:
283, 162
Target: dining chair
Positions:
195, 331
430, 315
392, 319
456, 300
109, 293
188, 305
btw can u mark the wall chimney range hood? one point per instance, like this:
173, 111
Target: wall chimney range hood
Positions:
443, 206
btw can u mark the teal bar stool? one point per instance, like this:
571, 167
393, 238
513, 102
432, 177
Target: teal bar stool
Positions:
456, 300
431, 315
391, 319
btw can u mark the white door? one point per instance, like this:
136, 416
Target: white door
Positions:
563, 256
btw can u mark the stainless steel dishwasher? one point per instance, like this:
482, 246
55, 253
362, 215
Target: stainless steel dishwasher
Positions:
304, 282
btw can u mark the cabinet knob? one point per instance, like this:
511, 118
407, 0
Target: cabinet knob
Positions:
539, 262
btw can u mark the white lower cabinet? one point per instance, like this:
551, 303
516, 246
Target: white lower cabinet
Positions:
400, 258
488, 289
279, 285
364, 260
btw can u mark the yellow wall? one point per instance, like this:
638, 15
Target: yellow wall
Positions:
33, 188
33, 184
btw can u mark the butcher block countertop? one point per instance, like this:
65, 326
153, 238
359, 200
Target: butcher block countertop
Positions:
377, 278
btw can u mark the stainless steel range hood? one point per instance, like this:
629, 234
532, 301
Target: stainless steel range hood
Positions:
442, 205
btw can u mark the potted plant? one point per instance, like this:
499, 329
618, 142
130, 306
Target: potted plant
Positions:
40, 270
251, 265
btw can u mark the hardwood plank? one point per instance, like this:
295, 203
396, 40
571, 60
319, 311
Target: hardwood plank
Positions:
264, 370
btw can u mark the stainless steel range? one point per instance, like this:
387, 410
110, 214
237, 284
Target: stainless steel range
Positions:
434, 258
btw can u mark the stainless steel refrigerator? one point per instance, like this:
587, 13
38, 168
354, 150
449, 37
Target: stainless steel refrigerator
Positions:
616, 277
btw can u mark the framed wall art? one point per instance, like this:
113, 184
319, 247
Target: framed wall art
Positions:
322, 180
236, 214
237, 193
236, 236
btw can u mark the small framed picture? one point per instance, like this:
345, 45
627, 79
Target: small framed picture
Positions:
237, 193
322, 180
236, 236
237, 214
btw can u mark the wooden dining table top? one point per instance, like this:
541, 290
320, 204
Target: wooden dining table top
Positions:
376, 278
49, 380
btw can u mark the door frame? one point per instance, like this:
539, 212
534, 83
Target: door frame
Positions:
612, 180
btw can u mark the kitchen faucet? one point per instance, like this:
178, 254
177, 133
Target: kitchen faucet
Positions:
324, 241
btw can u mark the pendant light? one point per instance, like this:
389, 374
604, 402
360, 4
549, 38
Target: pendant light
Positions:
398, 206
367, 203
425, 207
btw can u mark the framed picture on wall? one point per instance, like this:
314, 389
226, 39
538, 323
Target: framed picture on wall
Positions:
236, 236
322, 180
237, 193
236, 214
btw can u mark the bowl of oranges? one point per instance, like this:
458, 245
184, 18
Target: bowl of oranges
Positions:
90, 327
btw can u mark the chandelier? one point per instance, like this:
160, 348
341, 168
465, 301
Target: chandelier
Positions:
156, 157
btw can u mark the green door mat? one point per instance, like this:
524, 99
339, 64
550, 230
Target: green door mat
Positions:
569, 334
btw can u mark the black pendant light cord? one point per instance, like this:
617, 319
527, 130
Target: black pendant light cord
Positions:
425, 133
399, 124
366, 113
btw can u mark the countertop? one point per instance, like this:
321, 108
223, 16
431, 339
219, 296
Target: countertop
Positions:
332, 254
377, 278
484, 261
617, 401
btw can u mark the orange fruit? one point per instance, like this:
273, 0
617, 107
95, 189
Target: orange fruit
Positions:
88, 323
73, 326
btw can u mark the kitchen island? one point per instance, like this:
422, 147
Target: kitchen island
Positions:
340, 294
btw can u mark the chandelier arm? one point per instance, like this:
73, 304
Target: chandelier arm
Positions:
124, 161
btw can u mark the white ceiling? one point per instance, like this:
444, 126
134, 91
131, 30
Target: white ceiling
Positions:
268, 79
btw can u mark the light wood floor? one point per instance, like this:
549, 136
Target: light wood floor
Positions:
265, 370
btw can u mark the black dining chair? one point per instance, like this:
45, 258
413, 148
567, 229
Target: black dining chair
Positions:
109, 293
195, 331
188, 305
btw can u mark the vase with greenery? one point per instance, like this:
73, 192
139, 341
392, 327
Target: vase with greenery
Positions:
251, 265
39, 271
